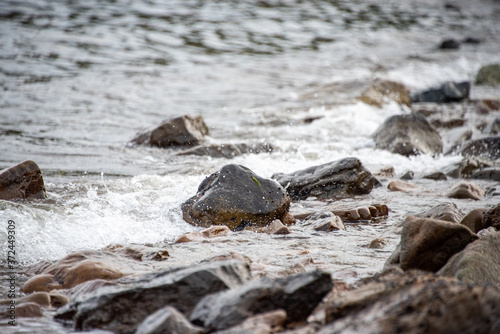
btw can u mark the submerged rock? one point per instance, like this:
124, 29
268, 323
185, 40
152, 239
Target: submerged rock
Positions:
488, 75
180, 131
211, 232
83, 266
488, 148
408, 135
448, 92
23, 181
414, 303
382, 90
297, 295
478, 263
487, 174
450, 44
123, 308
427, 244
400, 185
236, 197
337, 179
228, 150
324, 221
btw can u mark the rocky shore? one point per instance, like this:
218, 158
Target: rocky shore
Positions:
443, 276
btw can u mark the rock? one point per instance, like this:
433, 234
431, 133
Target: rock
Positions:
337, 179
265, 323
399, 185
493, 191
288, 219
324, 221
448, 124
386, 172
478, 263
437, 176
466, 190
466, 168
377, 243
123, 308
444, 211
491, 218
275, 227
474, 220
372, 212
415, 303
457, 137
211, 232
23, 310
489, 75
493, 128
488, 148
83, 266
408, 135
180, 131
43, 299
23, 181
297, 295
167, 320
427, 244
228, 150
448, 92
229, 256
408, 175
380, 91
236, 197
449, 44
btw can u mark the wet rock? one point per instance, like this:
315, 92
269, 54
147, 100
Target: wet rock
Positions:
494, 127
478, 263
83, 266
380, 91
488, 148
457, 137
372, 212
444, 211
415, 303
427, 244
229, 256
23, 181
337, 179
489, 75
265, 323
324, 221
493, 191
377, 243
275, 227
466, 168
288, 219
399, 185
211, 232
123, 308
448, 92
449, 44
408, 175
167, 320
297, 295
487, 174
42, 299
448, 124
408, 135
437, 176
466, 190
491, 218
228, 150
474, 220
236, 197
180, 131
23, 310
386, 172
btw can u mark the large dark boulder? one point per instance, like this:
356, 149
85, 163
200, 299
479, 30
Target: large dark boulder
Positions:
122, 308
478, 263
408, 135
337, 179
447, 92
427, 243
23, 181
181, 131
236, 197
489, 75
414, 303
297, 295
488, 148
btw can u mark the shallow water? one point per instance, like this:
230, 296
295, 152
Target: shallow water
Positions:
79, 79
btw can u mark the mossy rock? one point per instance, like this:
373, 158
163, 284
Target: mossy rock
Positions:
489, 75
